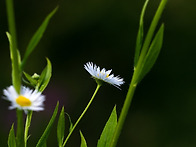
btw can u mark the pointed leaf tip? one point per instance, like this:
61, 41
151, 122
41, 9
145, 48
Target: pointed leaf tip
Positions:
61, 127
83, 141
37, 36
44, 137
153, 52
108, 131
140, 35
11, 138
45, 76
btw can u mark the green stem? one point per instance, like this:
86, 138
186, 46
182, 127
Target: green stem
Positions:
124, 112
89, 103
149, 36
27, 125
16, 74
20, 129
136, 73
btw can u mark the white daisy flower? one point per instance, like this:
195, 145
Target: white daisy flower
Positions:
103, 75
26, 100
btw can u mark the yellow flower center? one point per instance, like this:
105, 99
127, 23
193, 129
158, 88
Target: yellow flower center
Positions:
23, 101
106, 75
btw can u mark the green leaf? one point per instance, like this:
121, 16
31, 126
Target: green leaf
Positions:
83, 141
46, 133
37, 37
108, 130
61, 128
153, 52
45, 76
11, 138
15, 64
19, 57
32, 81
140, 35
27, 125
70, 122
40, 82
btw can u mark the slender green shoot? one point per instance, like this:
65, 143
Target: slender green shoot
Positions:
27, 125
88, 105
16, 73
138, 72
20, 128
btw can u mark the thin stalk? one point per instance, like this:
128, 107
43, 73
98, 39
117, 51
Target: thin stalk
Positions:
89, 103
27, 125
124, 112
16, 74
136, 73
149, 36
20, 128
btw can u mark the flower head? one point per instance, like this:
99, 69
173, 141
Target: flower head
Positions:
26, 100
103, 75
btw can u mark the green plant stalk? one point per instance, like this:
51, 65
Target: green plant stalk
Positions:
124, 112
27, 125
15, 68
89, 103
149, 36
16, 74
20, 129
136, 73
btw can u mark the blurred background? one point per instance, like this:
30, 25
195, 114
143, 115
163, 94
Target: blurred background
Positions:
163, 110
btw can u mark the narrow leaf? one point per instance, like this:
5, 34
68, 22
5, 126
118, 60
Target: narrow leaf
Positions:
46, 133
27, 125
61, 127
108, 130
153, 52
83, 141
37, 36
45, 76
139, 40
70, 122
15, 58
11, 138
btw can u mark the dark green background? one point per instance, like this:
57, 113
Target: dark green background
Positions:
163, 111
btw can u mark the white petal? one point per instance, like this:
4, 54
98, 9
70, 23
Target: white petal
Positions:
103, 74
34, 96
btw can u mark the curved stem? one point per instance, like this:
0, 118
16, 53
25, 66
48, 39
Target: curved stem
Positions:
88, 105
